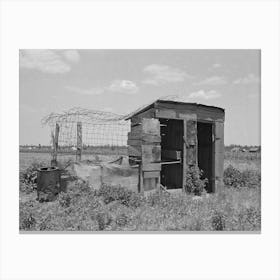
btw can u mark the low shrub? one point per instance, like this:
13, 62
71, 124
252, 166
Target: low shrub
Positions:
64, 199
218, 221
28, 177
236, 178
194, 182
118, 193
103, 219
249, 218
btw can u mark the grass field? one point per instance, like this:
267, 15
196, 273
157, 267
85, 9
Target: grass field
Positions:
236, 208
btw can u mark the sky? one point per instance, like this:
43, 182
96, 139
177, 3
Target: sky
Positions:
120, 81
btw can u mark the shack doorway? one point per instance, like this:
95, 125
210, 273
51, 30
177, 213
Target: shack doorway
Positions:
205, 153
172, 132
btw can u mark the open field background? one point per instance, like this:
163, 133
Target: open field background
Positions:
236, 208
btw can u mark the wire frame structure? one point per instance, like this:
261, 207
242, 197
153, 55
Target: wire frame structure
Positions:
97, 128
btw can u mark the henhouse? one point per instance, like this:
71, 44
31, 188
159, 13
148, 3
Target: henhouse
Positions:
168, 137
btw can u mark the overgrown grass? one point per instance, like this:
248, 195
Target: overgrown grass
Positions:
115, 208
236, 208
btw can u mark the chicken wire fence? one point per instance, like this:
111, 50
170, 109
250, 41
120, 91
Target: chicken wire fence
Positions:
97, 129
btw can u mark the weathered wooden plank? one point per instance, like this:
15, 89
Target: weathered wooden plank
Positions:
219, 149
149, 138
165, 114
149, 113
151, 126
136, 129
189, 108
171, 154
150, 184
140, 179
151, 153
184, 155
187, 116
210, 114
151, 174
134, 151
134, 142
191, 142
151, 167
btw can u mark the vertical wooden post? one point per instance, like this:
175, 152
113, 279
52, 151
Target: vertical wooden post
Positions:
79, 142
101, 175
55, 145
140, 178
184, 158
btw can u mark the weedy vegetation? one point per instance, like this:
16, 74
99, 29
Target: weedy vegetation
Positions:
114, 208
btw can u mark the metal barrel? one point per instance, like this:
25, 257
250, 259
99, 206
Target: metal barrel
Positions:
48, 183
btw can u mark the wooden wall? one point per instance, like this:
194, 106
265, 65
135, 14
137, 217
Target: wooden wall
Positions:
146, 144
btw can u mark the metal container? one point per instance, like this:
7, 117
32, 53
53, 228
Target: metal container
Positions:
48, 183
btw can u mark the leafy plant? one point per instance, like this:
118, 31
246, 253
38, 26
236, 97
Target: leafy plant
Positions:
218, 221
194, 182
118, 193
28, 177
236, 178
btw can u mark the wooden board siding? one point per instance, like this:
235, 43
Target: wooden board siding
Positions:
178, 111
185, 166
150, 113
191, 142
219, 155
151, 154
146, 143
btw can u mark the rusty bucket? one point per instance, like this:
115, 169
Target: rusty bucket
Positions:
48, 183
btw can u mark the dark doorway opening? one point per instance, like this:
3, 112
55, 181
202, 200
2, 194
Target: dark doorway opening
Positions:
171, 153
205, 152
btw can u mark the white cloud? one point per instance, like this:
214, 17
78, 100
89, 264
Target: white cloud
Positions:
201, 94
216, 65
47, 61
162, 74
90, 91
213, 81
118, 86
250, 79
123, 86
72, 55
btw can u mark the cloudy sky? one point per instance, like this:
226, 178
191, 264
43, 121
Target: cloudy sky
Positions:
123, 80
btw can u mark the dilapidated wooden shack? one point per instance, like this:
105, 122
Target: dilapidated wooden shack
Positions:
167, 137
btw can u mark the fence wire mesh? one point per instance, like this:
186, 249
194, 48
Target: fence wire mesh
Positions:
99, 129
